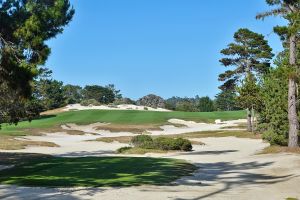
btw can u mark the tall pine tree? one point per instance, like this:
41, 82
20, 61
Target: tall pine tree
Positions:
248, 55
289, 10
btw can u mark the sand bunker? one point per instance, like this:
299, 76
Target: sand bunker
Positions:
189, 126
116, 107
228, 169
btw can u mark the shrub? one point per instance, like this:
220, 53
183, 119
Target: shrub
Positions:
274, 138
143, 141
123, 149
164, 143
161, 143
89, 102
184, 144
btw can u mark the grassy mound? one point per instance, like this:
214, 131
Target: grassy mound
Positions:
96, 171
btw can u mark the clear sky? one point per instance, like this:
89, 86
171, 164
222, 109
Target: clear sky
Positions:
165, 47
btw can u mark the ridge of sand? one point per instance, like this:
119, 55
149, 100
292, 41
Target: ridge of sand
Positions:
189, 126
115, 107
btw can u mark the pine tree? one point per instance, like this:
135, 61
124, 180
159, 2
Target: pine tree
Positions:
25, 26
248, 55
289, 10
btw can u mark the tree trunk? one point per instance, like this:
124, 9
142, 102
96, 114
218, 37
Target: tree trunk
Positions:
249, 120
292, 107
253, 119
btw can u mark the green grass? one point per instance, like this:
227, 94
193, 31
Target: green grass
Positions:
96, 171
116, 117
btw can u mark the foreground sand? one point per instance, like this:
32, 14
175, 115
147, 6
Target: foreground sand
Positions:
228, 169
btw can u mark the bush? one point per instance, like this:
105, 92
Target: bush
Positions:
143, 141
184, 144
164, 143
89, 102
123, 149
161, 143
274, 138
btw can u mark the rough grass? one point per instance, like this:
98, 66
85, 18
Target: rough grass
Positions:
120, 139
137, 129
95, 171
137, 150
11, 143
221, 133
279, 149
201, 134
116, 117
239, 125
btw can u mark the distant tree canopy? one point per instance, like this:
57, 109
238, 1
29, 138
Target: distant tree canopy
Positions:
196, 104
226, 100
72, 93
151, 100
103, 95
25, 26
50, 93
205, 104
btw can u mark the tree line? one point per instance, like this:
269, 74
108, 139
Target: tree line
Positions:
266, 85
48, 94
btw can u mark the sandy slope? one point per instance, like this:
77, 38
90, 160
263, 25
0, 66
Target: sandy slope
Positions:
117, 107
189, 126
228, 169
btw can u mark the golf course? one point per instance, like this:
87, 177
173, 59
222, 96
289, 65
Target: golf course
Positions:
149, 99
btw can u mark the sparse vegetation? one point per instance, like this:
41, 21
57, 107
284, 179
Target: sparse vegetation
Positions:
280, 149
11, 143
145, 144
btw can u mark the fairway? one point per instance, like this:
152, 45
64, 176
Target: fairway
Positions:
96, 171
116, 117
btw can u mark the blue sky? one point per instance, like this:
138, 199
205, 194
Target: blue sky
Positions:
165, 47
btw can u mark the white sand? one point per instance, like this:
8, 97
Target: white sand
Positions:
117, 107
189, 126
228, 169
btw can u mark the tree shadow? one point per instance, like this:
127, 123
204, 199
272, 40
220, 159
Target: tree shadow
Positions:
86, 153
209, 152
231, 175
45, 117
13, 192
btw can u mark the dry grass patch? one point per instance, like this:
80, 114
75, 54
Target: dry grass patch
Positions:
12, 143
204, 134
137, 150
41, 131
54, 111
121, 139
195, 142
137, 129
279, 149
239, 125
